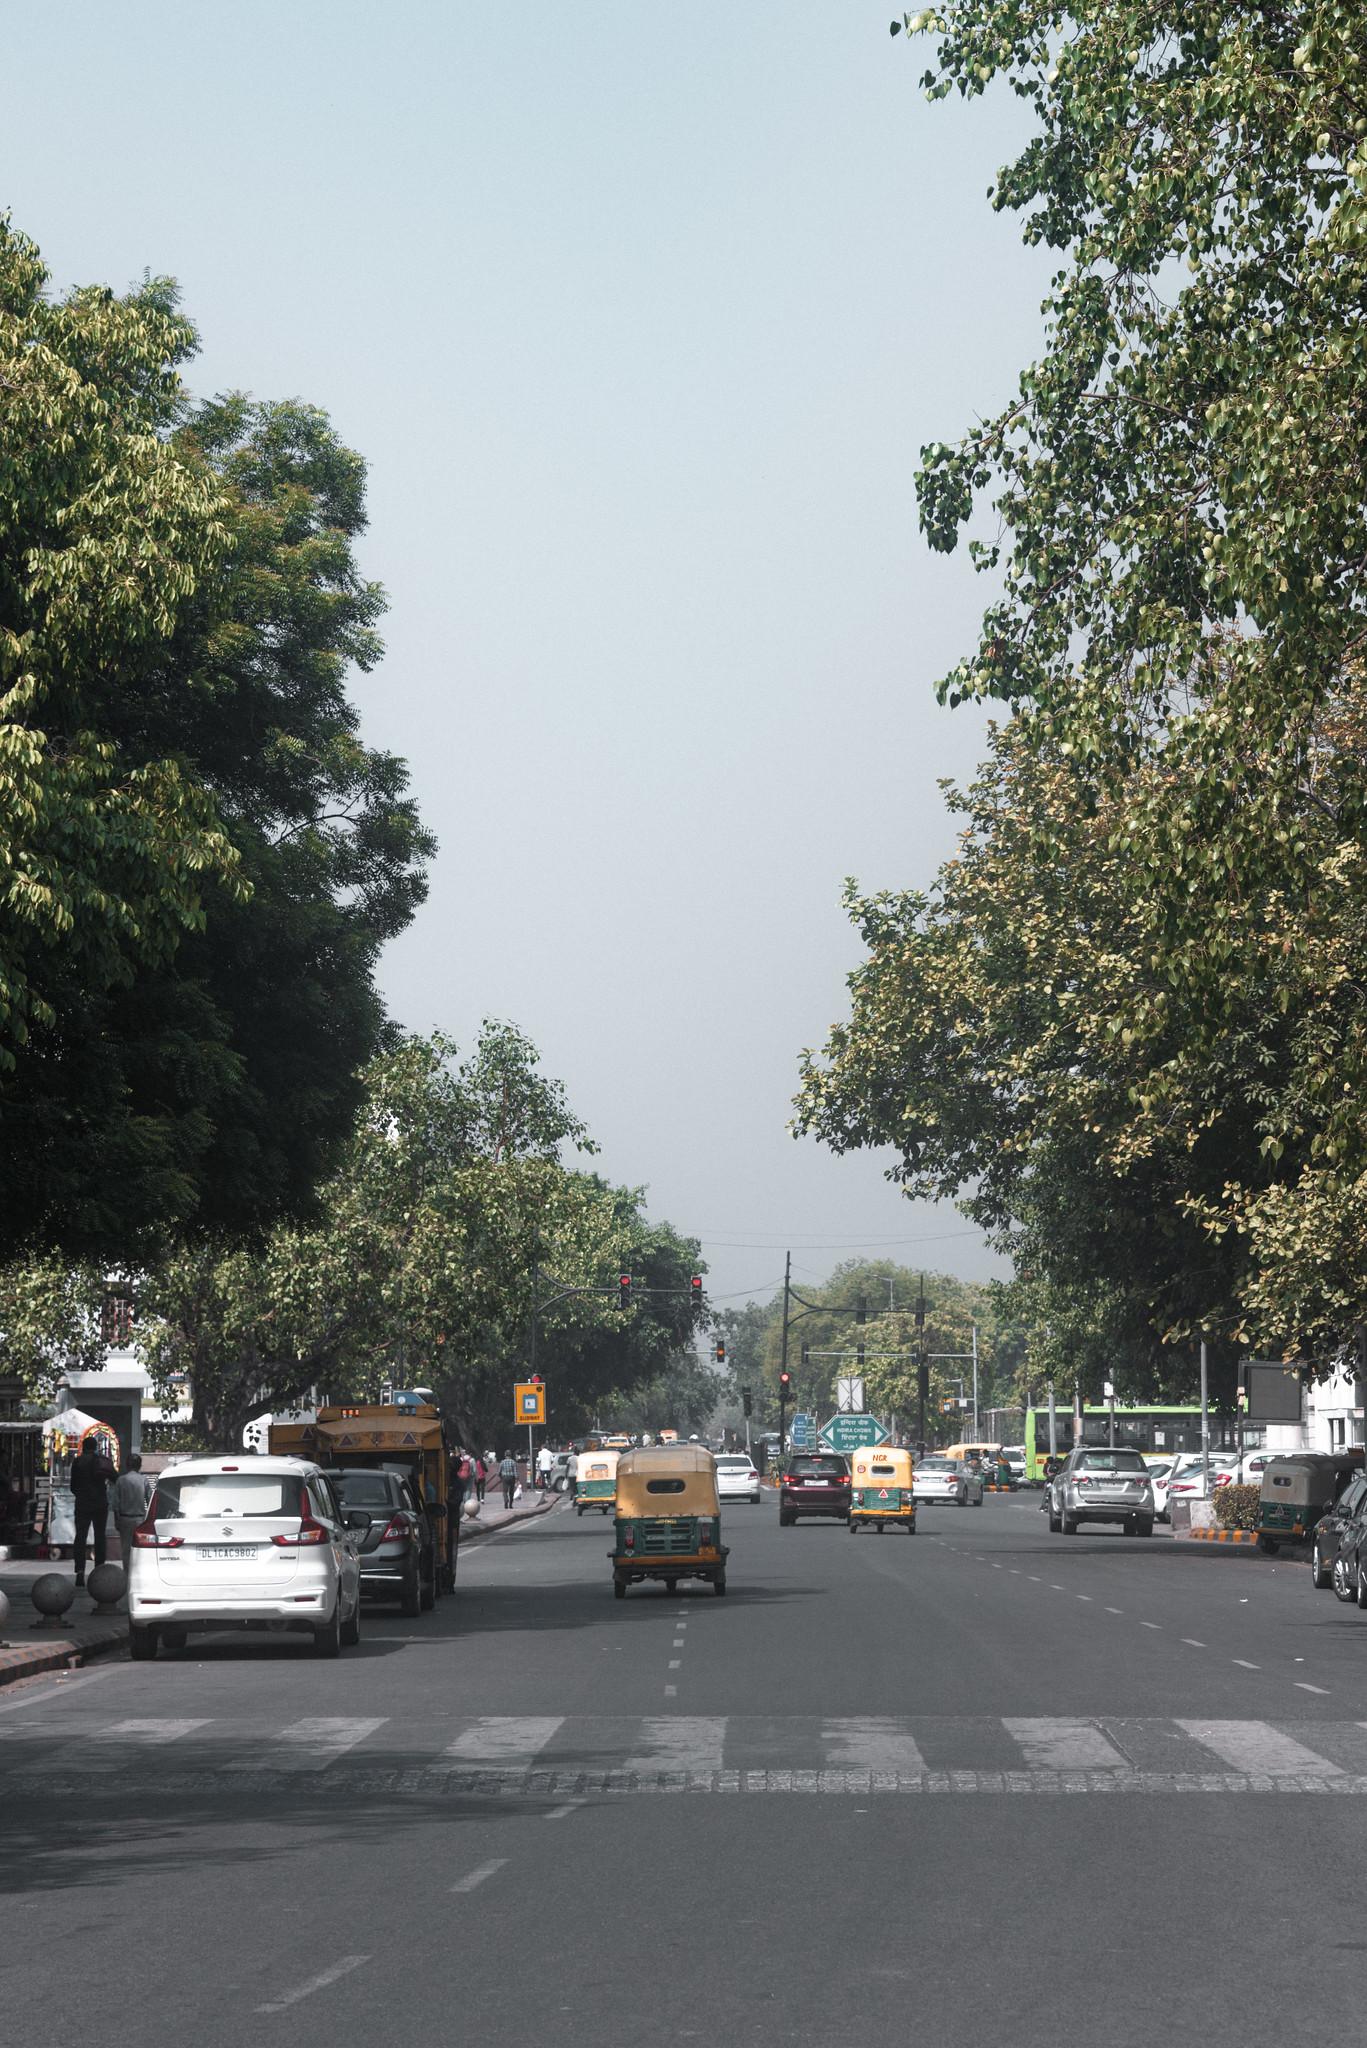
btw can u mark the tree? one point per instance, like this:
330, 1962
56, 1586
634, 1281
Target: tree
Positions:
421, 1269
191, 989
1125, 1025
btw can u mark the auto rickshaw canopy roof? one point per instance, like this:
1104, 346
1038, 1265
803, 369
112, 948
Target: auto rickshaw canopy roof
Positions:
667, 1479
596, 1465
872, 1464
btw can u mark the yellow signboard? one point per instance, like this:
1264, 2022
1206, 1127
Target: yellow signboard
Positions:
529, 1401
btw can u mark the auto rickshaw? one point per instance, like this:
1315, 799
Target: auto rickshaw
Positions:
1297, 1490
595, 1481
668, 1518
880, 1490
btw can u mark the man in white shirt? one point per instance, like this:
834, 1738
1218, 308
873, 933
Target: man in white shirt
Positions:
545, 1461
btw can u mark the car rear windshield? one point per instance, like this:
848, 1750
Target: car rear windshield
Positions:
733, 1464
363, 1489
937, 1465
1111, 1461
226, 1493
822, 1468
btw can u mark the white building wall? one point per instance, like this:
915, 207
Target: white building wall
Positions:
1334, 1413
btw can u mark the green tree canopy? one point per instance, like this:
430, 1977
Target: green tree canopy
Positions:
199, 857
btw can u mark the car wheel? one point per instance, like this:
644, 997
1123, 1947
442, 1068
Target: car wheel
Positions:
1054, 1523
785, 1519
1319, 1576
351, 1630
175, 1637
978, 1502
327, 1637
1069, 1523
1342, 1584
1362, 1585
410, 1599
142, 1642
1144, 1526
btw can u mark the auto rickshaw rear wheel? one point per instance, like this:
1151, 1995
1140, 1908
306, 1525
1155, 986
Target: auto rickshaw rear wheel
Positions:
719, 1584
619, 1589
671, 1585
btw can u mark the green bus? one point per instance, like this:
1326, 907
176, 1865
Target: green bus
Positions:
1158, 1426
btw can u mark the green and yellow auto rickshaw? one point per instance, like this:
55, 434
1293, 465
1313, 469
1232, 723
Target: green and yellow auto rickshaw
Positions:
880, 1490
595, 1481
668, 1518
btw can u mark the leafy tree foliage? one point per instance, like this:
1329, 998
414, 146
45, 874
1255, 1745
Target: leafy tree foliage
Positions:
1125, 1025
199, 858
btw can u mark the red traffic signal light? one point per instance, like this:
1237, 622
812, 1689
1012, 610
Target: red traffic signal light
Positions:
721, 1351
695, 1289
624, 1290
785, 1380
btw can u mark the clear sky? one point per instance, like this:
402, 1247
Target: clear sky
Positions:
640, 314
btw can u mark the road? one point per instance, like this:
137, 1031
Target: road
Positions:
981, 1782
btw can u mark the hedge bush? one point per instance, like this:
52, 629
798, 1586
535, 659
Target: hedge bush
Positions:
1236, 1507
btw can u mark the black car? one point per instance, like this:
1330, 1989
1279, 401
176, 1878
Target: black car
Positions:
1336, 1541
814, 1483
398, 1552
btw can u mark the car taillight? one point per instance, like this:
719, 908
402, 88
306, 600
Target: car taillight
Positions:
397, 1531
309, 1531
145, 1537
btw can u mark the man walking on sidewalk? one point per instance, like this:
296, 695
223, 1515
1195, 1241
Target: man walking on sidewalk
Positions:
507, 1477
132, 1493
90, 1494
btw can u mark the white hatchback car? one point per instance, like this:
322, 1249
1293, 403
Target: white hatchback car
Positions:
249, 1542
737, 1478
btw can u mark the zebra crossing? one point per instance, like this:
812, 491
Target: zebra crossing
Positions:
555, 1756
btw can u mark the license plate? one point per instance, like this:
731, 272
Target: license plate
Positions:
233, 1553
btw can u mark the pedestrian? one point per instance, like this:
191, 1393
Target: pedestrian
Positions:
459, 1480
132, 1495
545, 1460
90, 1493
481, 1475
507, 1474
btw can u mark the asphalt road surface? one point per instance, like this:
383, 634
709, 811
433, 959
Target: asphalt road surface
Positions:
981, 1783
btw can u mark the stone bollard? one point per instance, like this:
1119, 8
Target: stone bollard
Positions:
52, 1594
106, 1586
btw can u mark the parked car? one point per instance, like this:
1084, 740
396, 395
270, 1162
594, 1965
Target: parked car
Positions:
1160, 1477
1102, 1486
737, 1478
950, 1482
1331, 1533
398, 1551
814, 1483
246, 1542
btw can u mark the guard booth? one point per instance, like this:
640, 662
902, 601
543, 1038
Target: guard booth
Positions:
412, 1438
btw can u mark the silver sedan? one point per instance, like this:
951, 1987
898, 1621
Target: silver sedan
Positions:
947, 1480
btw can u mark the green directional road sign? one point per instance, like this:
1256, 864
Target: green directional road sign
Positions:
852, 1432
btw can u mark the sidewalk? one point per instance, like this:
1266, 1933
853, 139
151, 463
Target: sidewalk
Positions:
26, 1651
493, 1516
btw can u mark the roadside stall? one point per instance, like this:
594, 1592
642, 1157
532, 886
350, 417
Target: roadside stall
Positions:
21, 1466
54, 1510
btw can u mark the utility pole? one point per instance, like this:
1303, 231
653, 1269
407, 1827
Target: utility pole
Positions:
783, 1360
977, 1426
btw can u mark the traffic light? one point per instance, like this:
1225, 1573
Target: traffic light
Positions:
785, 1381
624, 1290
695, 1291
721, 1351
747, 1401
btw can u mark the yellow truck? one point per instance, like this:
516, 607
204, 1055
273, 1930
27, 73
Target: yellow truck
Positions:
372, 1437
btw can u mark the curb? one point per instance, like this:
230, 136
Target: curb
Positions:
30, 1660
474, 1532
1245, 1536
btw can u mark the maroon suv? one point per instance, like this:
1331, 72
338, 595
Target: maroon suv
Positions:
814, 1483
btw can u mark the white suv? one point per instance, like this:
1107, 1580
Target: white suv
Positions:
250, 1542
